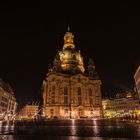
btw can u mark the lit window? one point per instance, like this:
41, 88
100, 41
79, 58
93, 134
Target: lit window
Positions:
51, 111
90, 92
79, 91
79, 100
53, 88
65, 99
53, 99
65, 91
65, 95
79, 96
66, 111
91, 101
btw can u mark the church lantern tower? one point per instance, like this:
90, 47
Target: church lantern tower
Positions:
71, 59
68, 40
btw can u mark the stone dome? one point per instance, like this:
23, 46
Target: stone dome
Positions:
71, 61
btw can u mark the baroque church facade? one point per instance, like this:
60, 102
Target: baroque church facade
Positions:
69, 92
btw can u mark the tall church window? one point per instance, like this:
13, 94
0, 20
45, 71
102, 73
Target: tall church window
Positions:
79, 96
53, 88
90, 97
51, 112
66, 95
79, 91
90, 92
65, 91
91, 101
53, 95
97, 99
65, 99
53, 100
79, 100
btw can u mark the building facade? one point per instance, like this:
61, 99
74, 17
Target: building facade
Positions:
68, 91
107, 112
137, 81
8, 103
124, 104
29, 111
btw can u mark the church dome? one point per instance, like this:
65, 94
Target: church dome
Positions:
71, 59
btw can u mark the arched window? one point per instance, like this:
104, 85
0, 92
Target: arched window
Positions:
66, 95
79, 96
53, 95
53, 88
90, 96
90, 92
79, 91
51, 112
65, 91
91, 101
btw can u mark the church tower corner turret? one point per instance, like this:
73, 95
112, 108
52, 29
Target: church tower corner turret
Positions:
57, 63
91, 67
92, 73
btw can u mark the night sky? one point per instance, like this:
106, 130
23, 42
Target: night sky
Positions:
31, 34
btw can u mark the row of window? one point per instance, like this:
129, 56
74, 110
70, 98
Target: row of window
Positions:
79, 91
66, 95
66, 100
119, 107
67, 111
119, 103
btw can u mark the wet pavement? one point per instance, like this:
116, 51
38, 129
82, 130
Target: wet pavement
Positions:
69, 130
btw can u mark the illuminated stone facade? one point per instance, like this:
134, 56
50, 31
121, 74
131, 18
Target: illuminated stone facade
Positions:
29, 111
8, 103
137, 81
124, 103
107, 113
69, 92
